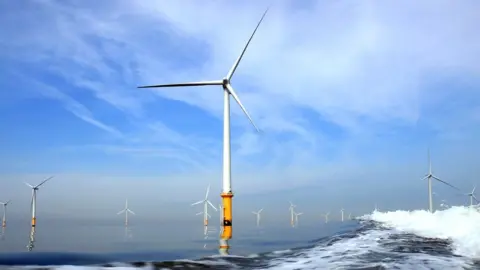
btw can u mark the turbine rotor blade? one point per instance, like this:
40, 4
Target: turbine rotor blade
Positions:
234, 95
260, 210
199, 213
131, 211
235, 65
44, 181
28, 185
208, 191
202, 83
446, 183
121, 212
195, 203
211, 205
473, 190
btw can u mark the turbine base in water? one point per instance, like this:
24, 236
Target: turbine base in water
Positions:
34, 222
227, 215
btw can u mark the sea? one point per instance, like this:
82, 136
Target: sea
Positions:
445, 239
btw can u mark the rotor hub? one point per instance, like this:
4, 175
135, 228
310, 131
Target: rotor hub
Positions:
225, 81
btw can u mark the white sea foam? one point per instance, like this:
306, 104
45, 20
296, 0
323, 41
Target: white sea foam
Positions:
459, 224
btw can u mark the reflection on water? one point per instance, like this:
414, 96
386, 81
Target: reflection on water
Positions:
128, 233
31, 242
4, 230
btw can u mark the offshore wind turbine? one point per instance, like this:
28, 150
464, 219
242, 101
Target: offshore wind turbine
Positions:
429, 176
4, 218
292, 214
472, 195
227, 192
33, 204
341, 211
350, 216
126, 210
258, 216
296, 218
206, 203
326, 216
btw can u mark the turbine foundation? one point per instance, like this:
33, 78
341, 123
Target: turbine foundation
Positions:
34, 221
227, 215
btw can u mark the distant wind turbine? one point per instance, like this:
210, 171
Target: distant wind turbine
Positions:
126, 210
292, 214
375, 209
4, 219
472, 195
341, 211
326, 216
206, 203
429, 177
296, 218
227, 193
350, 216
33, 204
258, 216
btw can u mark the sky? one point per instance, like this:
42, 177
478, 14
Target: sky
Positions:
348, 97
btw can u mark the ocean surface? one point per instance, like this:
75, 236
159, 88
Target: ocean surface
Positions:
446, 239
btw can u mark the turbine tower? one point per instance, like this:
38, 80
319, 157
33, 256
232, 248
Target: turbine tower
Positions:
472, 196
126, 210
429, 176
4, 219
292, 214
375, 209
33, 204
350, 216
296, 218
258, 216
206, 203
341, 211
326, 217
227, 193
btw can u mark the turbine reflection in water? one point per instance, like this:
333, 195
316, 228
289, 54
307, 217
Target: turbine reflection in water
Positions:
128, 233
4, 230
31, 242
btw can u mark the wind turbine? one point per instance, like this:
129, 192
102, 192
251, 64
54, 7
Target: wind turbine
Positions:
126, 210
341, 211
258, 216
292, 214
326, 217
429, 177
375, 209
33, 204
4, 219
296, 218
227, 193
205, 202
472, 195
350, 216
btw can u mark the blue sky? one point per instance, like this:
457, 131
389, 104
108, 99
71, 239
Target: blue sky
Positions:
349, 98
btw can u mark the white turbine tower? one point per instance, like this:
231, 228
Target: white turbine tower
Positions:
350, 216
326, 217
126, 210
472, 196
206, 203
341, 211
292, 214
429, 177
33, 204
228, 91
258, 216
4, 219
296, 218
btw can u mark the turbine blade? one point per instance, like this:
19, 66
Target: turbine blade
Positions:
211, 205
234, 95
235, 65
195, 203
199, 213
473, 190
208, 191
44, 181
202, 83
446, 183
253, 212
121, 212
28, 185
131, 211
260, 210
208, 215
424, 177
475, 198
